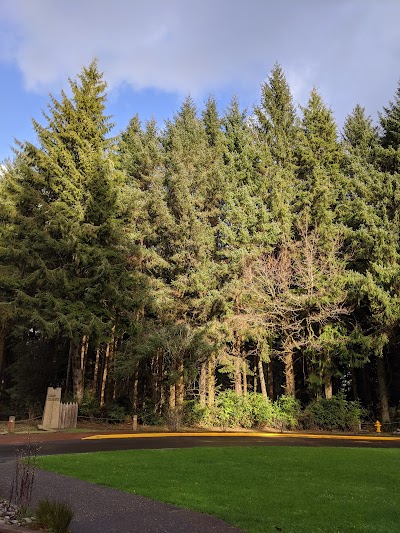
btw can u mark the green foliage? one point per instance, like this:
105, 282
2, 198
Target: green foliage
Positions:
218, 239
115, 413
287, 412
196, 415
248, 411
335, 413
89, 407
54, 515
148, 415
232, 410
112, 413
263, 411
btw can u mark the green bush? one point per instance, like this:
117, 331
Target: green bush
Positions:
196, 415
149, 415
53, 515
226, 410
115, 413
230, 410
89, 406
286, 413
334, 414
262, 410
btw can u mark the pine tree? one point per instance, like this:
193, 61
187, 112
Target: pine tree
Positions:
359, 135
319, 181
245, 233
277, 126
370, 221
390, 123
66, 241
190, 244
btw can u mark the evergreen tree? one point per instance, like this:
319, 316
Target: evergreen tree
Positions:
65, 239
277, 126
246, 232
370, 221
319, 180
390, 123
359, 135
190, 245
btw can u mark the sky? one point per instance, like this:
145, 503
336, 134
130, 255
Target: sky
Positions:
154, 53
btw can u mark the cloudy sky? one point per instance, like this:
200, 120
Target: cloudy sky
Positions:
154, 53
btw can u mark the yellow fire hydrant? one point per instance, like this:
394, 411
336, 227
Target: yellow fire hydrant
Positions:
378, 426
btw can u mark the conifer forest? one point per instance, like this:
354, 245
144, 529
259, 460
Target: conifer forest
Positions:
227, 267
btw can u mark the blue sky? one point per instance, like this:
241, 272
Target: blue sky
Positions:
154, 53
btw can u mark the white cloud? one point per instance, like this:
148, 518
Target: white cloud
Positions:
200, 46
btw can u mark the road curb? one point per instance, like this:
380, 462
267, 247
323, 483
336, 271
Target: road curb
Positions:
242, 434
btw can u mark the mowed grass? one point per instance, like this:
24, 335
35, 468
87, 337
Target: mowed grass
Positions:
259, 489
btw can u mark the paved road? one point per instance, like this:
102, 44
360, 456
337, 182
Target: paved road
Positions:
73, 443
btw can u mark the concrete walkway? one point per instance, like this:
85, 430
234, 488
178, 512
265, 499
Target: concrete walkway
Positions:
99, 508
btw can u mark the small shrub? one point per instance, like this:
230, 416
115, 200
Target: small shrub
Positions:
149, 415
262, 410
115, 413
334, 414
231, 410
89, 406
54, 515
196, 415
286, 413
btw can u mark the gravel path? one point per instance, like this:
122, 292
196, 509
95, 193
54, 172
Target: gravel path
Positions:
104, 509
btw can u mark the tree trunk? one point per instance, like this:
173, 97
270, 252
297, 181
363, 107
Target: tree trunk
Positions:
154, 379
68, 375
203, 384
270, 381
290, 388
328, 386
77, 375
96, 370
172, 397
160, 358
135, 390
180, 385
382, 390
244, 367
238, 376
262, 378
84, 350
111, 364
211, 382
104, 376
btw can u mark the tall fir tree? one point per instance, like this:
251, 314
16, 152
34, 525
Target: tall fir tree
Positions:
370, 224
66, 241
277, 126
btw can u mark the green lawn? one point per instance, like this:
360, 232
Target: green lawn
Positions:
259, 489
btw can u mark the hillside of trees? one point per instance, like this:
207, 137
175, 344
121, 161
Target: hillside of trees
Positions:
211, 257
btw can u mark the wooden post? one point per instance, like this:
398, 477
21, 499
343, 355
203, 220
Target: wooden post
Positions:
11, 424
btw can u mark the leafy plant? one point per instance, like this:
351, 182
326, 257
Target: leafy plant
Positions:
262, 410
286, 413
54, 515
332, 414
